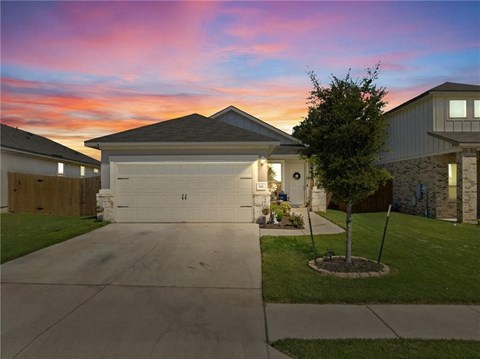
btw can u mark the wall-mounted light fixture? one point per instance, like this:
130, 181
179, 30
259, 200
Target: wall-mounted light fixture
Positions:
263, 160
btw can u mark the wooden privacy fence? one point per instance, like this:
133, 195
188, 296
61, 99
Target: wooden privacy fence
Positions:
62, 196
377, 202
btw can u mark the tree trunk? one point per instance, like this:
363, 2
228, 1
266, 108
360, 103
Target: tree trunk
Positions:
348, 242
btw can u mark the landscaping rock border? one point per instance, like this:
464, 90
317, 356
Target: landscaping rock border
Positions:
385, 270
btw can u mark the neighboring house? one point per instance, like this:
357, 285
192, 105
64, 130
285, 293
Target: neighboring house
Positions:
199, 169
25, 152
434, 142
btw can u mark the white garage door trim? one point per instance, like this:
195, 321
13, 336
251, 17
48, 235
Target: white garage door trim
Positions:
187, 191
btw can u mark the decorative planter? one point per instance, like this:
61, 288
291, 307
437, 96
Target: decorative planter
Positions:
313, 264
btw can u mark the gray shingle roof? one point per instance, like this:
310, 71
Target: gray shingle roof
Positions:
16, 139
445, 87
288, 150
453, 86
457, 138
191, 128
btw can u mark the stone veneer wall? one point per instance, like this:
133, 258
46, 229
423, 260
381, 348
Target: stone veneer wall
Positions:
261, 201
105, 205
430, 171
467, 186
319, 199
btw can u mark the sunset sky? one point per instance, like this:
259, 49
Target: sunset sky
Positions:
72, 71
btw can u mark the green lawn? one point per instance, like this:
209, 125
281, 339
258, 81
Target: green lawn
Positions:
25, 233
379, 349
430, 261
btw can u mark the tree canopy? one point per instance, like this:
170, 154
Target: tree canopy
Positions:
344, 132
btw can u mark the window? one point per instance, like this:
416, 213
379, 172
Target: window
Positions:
457, 108
95, 170
275, 177
476, 108
452, 181
82, 171
60, 169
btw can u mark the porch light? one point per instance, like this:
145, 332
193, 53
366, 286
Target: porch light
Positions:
263, 160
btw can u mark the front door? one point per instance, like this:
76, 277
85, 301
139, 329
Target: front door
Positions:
297, 183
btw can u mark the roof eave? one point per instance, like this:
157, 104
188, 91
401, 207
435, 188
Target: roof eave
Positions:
56, 158
106, 145
453, 141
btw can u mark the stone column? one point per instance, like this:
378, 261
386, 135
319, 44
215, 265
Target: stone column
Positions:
467, 186
319, 199
105, 205
261, 200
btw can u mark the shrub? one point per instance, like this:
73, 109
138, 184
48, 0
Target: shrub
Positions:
273, 207
279, 213
297, 220
286, 207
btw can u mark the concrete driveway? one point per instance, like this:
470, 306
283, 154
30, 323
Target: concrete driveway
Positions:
138, 291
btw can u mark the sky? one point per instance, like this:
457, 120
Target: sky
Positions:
72, 71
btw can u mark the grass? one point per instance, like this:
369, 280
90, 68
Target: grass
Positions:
430, 262
379, 349
23, 233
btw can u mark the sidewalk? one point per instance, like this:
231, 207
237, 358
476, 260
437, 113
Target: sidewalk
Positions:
319, 225
374, 321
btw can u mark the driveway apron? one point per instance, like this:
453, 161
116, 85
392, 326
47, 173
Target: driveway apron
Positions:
138, 291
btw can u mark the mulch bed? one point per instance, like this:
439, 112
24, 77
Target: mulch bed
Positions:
278, 226
358, 265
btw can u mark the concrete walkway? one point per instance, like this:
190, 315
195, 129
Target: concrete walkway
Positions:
375, 321
320, 225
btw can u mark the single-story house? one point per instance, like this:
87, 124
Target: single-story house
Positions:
200, 169
434, 142
25, 152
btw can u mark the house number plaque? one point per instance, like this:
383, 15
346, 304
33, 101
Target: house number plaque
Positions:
262, 186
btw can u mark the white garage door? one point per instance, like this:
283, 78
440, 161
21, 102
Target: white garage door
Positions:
184, 192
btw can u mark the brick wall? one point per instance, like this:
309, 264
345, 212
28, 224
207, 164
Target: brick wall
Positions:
431, 172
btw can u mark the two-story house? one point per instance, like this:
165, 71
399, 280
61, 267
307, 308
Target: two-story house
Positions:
434, 143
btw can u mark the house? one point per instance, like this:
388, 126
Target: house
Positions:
25, 152
199, 169
434, 142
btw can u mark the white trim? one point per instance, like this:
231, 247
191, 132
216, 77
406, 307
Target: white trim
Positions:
287, 157
256, 120
183, 158
185, 145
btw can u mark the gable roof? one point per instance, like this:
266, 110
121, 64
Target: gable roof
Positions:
256, 120
192, 128
455, 87
16, 139
445, 87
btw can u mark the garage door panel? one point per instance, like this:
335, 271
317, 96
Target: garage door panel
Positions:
227, 185
243, 199
244, 185
125, 184
215, 192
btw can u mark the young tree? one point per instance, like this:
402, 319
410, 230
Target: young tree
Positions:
344, 132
